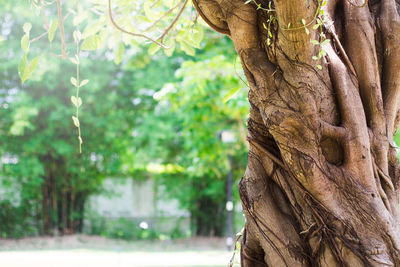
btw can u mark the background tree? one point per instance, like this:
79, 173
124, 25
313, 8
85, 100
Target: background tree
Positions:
141, 127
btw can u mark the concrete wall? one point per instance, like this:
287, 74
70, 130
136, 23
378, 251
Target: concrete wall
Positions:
138, 201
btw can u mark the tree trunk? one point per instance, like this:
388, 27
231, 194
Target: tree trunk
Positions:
322, 181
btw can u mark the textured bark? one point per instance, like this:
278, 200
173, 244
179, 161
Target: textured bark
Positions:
322, 181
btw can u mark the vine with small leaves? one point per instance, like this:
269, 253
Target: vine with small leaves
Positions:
318, 18
75, 81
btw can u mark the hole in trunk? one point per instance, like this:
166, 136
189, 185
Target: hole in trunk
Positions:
332, 150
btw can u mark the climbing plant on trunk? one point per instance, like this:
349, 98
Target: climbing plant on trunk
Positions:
321, 186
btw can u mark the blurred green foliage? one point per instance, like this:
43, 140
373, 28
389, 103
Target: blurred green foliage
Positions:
150, 117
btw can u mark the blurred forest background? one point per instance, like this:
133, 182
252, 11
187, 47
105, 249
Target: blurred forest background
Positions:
150, 126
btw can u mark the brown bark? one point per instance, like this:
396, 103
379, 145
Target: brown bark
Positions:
322, 181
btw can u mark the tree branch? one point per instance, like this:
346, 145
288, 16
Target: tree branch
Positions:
131, 33
61, 25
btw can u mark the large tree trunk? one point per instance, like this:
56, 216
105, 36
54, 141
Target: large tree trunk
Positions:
322, 182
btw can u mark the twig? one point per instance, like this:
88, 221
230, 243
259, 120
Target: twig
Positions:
173, 22
161, 17
39, 37
44, 14
131, 33
61, 25
69, 12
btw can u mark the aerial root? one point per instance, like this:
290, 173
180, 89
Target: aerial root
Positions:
380, 189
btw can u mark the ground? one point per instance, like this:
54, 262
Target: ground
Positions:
86, 251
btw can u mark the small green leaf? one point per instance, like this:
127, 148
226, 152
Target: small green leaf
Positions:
319, 67
79, 102
74, 82
74, 100
92, 29
119, 53
315, 26
29, 69
171, 47
314, 58
22, 66
307, 31
76, 121
303, 21
326, 41
153, 48
84, 82
314, 42
231, 94
27, 28
52, 30
91, 43
248, 2
25, 43
77, 36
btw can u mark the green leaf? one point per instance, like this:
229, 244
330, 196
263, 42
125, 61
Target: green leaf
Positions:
153, 48
314, 42
91, 43
74, 100
170, 43
92, 29
118, 53
27, 28
77, 36
319, 67
25, 42
52, 30
80, 17
303, 21
307, 31
315, 26
73, 81
231, 94
326, 41
84, 82
79, 102
29, 69
76, 121
22, 66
